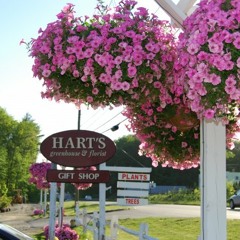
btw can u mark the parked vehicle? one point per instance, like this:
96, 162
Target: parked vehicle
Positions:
234, 201
88, 198
9, 233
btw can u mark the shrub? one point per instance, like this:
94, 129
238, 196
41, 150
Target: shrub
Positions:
230, 189
5, 201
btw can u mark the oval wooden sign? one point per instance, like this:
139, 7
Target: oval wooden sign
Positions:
77, 148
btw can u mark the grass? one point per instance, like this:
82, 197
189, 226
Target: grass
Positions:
160, 228
163, 229
175, 228
69, 207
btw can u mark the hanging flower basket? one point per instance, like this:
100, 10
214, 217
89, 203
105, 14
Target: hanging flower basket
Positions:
172, 145
38, 173
209, 55
162, 140
110, 59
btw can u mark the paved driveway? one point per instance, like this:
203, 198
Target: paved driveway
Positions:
19, 217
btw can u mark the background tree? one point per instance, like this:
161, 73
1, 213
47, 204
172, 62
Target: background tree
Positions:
233, 160
19, 142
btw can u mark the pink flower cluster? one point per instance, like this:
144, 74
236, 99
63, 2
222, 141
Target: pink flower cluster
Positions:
163, 140
112, 58
84, 186
38, 173
38, 212
209, 57
62, 233
171, 136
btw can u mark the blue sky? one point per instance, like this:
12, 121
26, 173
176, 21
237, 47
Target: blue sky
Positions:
20, 92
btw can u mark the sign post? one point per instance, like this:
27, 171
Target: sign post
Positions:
133, 189
77, 148
52, 217
102, 190
102, 205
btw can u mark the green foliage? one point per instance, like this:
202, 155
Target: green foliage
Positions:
180, 197
188, 197
236, 186
32, 194
233, 158
19, 143
229, 154
5, 201
3, 189
230, 189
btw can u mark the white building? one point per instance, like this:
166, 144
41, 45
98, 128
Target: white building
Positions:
233, 177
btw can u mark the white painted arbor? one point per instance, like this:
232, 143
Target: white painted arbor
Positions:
213, 153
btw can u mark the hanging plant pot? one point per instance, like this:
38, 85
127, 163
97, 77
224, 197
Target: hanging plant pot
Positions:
184, 119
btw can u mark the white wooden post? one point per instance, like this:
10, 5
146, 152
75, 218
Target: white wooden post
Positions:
45, 202
84, 220
113, 228
95, 227
143, 231
61, 204
102, 202
41, 196
52, 208
213, 181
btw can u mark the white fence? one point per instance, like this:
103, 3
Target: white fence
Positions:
142, 234
91, 223
86, 220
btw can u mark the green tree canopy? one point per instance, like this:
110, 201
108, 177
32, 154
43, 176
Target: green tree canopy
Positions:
19, 143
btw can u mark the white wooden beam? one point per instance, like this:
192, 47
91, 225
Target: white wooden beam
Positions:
126, 169
186, 5
173, 11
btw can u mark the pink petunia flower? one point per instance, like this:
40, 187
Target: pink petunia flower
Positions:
125, 86
209, 114
184, 144
132, 70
